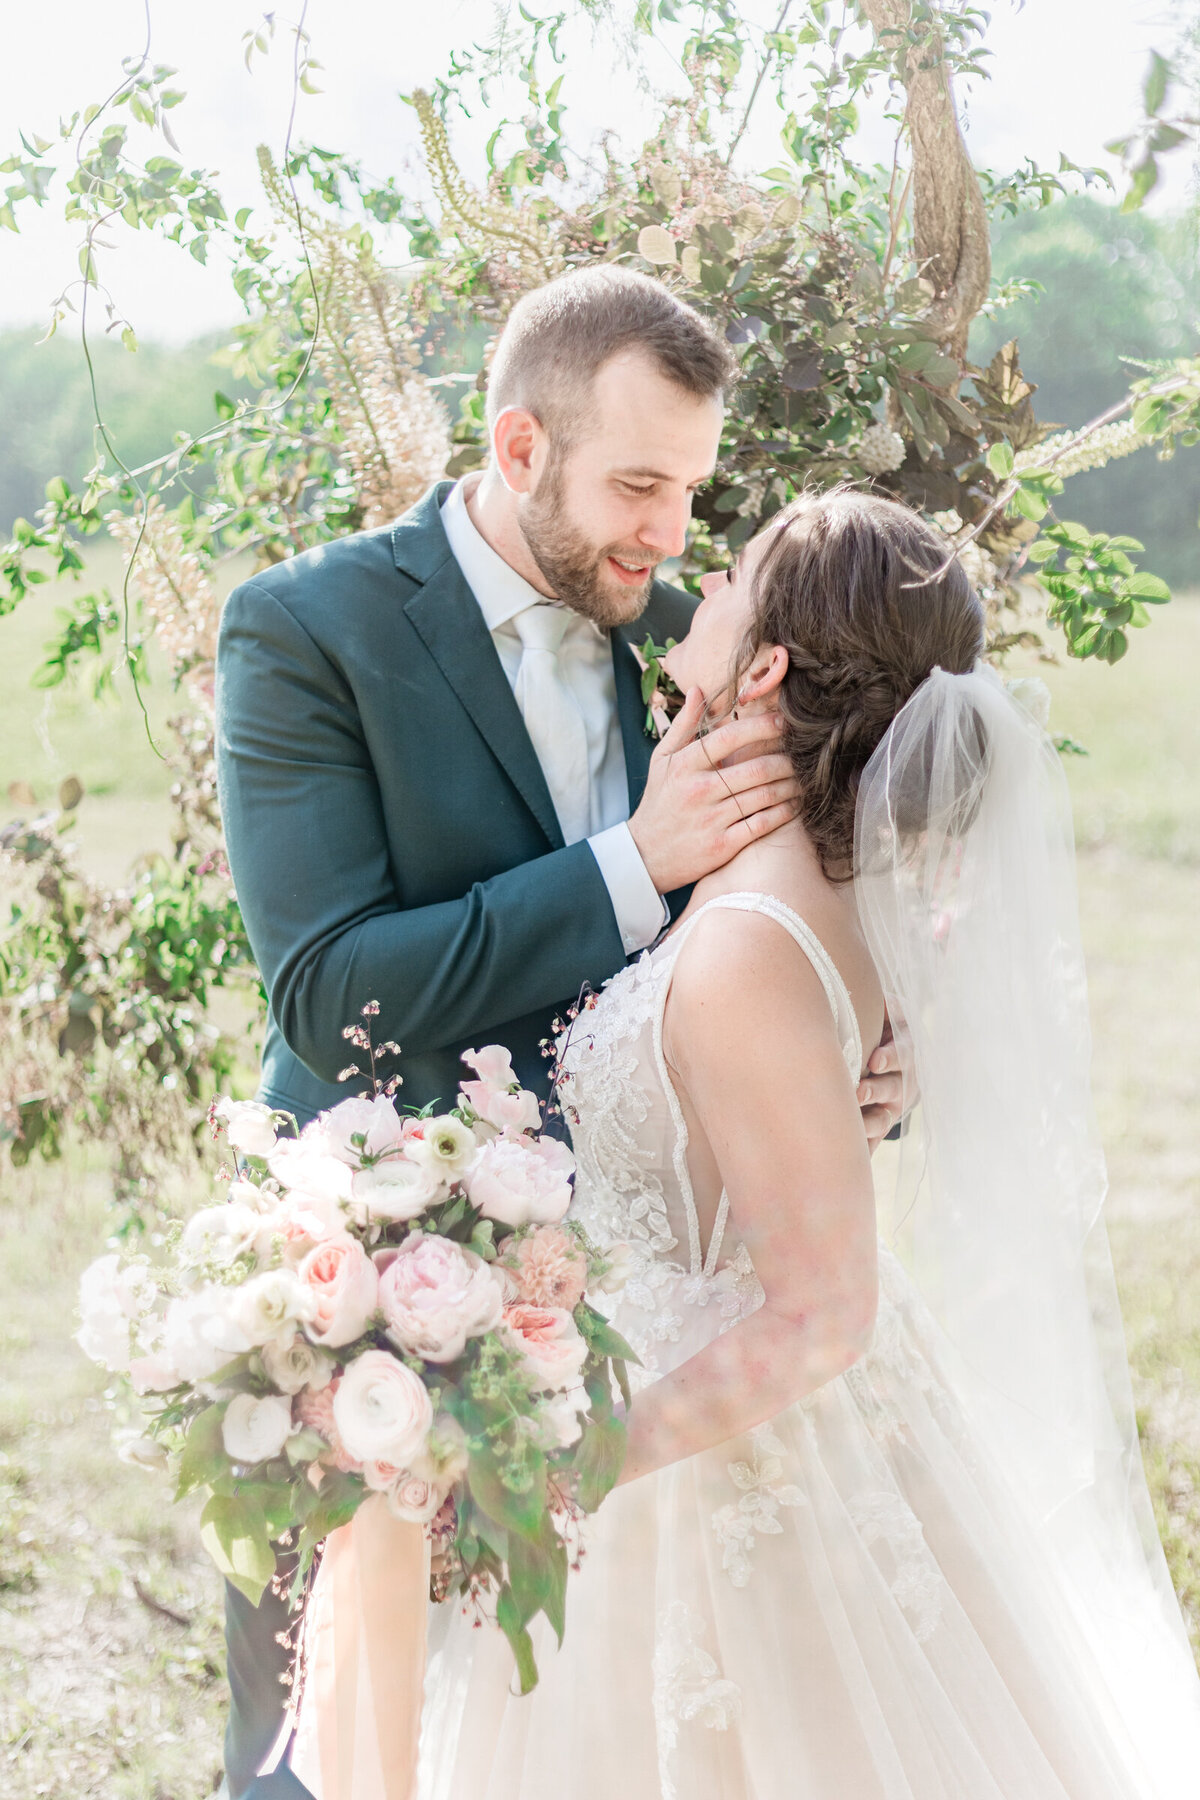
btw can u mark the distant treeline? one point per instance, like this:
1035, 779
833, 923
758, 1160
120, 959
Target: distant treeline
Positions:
1115, 285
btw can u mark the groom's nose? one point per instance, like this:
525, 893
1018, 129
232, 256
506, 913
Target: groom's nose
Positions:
664, 524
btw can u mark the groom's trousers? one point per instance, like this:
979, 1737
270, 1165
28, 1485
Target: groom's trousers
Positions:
256, 1696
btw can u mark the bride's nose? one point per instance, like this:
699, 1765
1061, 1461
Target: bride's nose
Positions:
712, 581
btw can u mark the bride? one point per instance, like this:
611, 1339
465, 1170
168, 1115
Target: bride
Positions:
882, 1531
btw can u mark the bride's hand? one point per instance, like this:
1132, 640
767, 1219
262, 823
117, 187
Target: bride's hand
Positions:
695, 814
881, 1092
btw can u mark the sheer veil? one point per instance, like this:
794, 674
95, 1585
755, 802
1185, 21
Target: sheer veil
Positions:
966, 889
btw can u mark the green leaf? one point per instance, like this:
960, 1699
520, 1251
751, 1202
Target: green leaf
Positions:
522, 1512
204, 1455
600, 1337
1041, 551
1029, 505
598, 1459
1154, 89
233, 1529
508, 1618
1000, 460
531, 1576
942, 371
1147, 587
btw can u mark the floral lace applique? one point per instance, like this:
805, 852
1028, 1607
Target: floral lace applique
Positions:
736, 1289
688, 1686
917, 1582
618, 1195
739, 1524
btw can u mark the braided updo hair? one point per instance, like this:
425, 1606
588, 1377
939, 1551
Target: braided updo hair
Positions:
858, 590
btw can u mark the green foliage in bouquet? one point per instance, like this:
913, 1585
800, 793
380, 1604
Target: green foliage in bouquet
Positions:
847, 288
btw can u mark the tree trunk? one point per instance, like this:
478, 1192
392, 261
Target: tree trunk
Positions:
950, 227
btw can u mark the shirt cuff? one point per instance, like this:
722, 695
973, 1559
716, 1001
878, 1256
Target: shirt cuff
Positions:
641, 912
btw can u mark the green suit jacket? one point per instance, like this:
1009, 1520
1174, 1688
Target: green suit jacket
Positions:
389, 828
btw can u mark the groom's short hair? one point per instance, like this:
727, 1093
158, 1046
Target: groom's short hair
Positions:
559, 337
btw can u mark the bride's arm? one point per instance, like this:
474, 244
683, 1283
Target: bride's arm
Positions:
750, 1031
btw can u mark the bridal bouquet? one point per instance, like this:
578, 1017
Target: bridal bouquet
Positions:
389, 1303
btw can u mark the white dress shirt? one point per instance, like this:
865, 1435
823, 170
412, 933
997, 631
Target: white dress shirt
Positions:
585, 660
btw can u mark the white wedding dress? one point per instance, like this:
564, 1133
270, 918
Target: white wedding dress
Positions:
847, 1603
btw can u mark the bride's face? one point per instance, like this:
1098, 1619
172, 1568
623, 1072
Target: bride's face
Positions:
706, 657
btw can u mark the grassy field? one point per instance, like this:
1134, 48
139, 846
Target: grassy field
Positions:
111, 1685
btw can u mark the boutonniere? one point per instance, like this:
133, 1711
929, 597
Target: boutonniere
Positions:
660, 696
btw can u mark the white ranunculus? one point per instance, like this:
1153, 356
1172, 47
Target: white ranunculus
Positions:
381, 1409
621, 1261
293, 1363
394, 1189
270, 1305
444, 1145
200, 1334
142, 1451
220, 1234
560, 1419
249, 1124
111, 1297
253, 1430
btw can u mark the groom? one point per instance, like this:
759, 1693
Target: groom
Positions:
435, 782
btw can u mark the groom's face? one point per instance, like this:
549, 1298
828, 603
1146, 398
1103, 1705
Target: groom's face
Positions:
608, 509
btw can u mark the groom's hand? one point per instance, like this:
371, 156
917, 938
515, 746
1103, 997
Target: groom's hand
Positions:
881, 1091
695, 815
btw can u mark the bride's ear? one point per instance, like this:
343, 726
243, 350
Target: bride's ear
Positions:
768, 666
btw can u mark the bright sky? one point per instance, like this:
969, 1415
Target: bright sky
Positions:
1066, 76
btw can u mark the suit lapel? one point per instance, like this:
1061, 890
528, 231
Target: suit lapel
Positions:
631, 712
446, 615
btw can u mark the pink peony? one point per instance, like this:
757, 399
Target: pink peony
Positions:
435, 1295
342, 1280
522, 1181
308, 1165
548, 1341
314, 1408
375, 1121
549, 1268
302, 1221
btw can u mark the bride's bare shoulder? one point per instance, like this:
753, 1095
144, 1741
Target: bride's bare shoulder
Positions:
740, 969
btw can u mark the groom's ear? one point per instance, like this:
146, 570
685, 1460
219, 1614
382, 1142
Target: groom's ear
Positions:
518, 445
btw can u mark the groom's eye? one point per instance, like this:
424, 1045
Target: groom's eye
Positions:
630, 488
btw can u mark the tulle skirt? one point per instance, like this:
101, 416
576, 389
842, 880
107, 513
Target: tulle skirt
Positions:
845, 1604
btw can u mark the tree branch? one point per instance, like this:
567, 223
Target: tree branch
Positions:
950, 227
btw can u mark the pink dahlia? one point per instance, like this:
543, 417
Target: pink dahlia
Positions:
314, 1408
549, 1268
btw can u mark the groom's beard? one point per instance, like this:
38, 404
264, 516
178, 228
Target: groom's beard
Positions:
575, 571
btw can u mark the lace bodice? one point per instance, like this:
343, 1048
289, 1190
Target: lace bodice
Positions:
634, 1185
